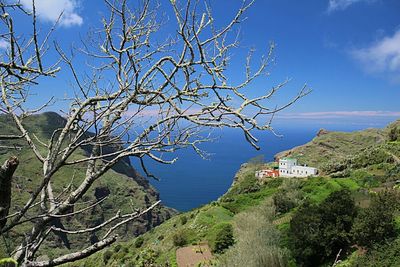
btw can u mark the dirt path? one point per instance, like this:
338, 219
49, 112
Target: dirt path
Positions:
191, 256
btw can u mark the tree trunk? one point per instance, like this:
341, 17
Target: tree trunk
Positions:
6, 173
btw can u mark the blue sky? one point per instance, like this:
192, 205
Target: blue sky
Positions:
347, 51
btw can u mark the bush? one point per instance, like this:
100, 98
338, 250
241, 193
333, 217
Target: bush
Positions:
179, 239
224, 238
139, 242
117, 248
146, 258
107, 255
183, 220
288, 197
394, 133
283, 202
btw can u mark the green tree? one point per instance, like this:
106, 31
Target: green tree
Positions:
318, 232
179, 239
376, 224
289, 196
224, 238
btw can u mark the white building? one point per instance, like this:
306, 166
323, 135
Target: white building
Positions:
288, 168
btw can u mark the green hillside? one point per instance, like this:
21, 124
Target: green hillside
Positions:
340, 152
259, 213
125, 188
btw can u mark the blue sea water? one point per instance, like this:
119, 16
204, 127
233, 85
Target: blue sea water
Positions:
192, 181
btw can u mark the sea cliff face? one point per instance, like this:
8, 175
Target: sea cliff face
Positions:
124, 188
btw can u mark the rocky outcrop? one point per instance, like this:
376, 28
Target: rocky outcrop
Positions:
322, 132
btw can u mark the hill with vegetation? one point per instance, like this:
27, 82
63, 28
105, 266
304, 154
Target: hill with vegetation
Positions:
337, 153
122, 187
351, 219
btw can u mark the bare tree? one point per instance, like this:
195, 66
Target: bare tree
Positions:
145, 93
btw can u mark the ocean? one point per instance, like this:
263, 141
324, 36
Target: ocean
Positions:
193, 181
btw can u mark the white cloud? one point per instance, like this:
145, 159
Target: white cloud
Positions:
340, 114
381, 57
50, 10
335, 5
326, 115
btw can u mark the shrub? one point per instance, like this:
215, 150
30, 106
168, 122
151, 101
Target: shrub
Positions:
107, 255
224, 238
288, 197
146, 258
179, 239
139, 242
394, 133
183, 220
283, 203
117, 248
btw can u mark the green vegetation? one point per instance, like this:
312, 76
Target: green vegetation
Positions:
107, 255
385, 255
118, 185
289, 221
179, 239
257, 240
224, 238
8, 262
247, 191
289, 196
139, 242
376, 224
318, 232
183, 220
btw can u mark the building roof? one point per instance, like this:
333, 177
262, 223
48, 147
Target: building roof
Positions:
287, 158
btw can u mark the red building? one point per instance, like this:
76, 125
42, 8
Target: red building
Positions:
267, 173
